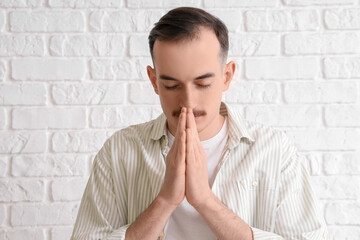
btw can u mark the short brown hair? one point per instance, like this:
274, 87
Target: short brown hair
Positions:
183, 23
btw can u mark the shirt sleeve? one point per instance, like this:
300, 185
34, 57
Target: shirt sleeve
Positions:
99, 216
297, 213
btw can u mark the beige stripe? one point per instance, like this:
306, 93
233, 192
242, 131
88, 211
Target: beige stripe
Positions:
261, 178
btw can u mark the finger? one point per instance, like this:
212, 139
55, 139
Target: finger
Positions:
182, 123
181, 148
180, 126
190, 122
180, 137
189, 147
199, 151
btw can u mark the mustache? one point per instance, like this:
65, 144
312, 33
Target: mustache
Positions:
196, 112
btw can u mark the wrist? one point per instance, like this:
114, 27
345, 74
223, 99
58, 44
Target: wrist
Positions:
164, 204
208, 202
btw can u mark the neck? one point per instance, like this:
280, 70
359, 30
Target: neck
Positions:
212, 128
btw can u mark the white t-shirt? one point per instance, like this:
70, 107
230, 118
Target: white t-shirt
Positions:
185, 222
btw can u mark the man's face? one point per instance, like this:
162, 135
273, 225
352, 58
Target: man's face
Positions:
190, 74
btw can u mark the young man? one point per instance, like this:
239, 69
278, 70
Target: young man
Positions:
199, 171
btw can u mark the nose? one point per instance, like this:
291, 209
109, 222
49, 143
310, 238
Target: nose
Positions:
188, 98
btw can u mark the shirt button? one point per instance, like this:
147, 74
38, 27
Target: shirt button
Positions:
254, 183
325, 235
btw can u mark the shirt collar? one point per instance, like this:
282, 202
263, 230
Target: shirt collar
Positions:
238, 128
158, 128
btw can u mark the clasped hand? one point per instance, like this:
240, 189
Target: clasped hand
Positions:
186, 165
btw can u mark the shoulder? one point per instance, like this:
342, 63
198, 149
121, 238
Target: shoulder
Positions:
128, 141
262, 131
269, 137
139, 134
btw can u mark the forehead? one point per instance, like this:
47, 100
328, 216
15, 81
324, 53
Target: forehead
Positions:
196, 54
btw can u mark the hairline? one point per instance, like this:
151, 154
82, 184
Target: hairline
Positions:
194, 36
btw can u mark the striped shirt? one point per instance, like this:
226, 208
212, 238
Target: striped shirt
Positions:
260, 177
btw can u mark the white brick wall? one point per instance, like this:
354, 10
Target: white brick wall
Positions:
74, 71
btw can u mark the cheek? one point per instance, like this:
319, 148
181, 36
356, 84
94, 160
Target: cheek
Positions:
213, 94
168, 101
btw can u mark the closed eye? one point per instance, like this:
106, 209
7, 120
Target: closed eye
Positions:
171, 87
204, 86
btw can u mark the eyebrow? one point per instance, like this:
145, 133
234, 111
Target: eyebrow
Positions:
206, 75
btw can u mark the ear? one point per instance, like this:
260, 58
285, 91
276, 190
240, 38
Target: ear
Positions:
152, 76
229, 72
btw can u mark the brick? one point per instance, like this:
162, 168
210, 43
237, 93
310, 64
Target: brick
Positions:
144, 4
236, 3
85, 4
78, 142
60, 233
305, 116
118, 117
171, 4
143, 93
57, 165
139, 46
317, 2
157, 111
3, 119
21, 190
3, 166
325, 139
231, 18
89, 93
43, 214
23, 94
44, 118
343, 232
161, 3
341, 163
281, 68
342, 213
3, 68
25, 234
336, 187
119, 69
68, 190
342, 67
254, 45
145, 19
23, 142
251, 92
112, 21
22, 3
313, 163
2, 214
2, 20
94, 45
324, 92
47, 21
342, 116
337, 43
282, 20
22, 45
342, 19
48, 69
